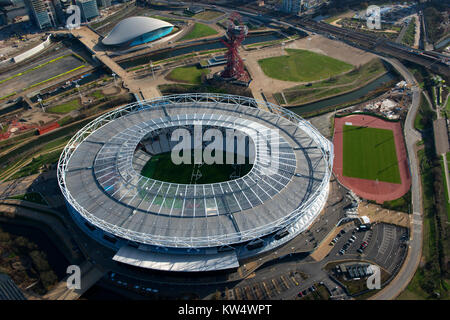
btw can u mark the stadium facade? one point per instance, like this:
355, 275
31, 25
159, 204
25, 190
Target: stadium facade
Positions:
135, 31
194, 227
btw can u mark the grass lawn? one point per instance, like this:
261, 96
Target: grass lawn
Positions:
199, 31
447, 107
445, 184
321, 293
208, 15
331, 19
424, 108
369, 153
402, 204
32, 197
350, 81
63, 121
410, 33
65, 107
60, 142
36, 164
161, 167
303, 66
190, 74
97, 94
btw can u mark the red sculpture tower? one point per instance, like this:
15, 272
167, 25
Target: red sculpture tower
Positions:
236, 33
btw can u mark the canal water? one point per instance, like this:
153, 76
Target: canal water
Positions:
351, 96
195, 48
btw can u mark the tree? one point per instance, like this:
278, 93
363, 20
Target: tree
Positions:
48, 279
39, 260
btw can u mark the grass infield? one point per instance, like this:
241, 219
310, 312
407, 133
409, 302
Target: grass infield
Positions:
199, 31
66, 107
160, 167
369, 153
303, 66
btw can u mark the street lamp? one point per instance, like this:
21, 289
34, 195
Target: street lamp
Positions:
114, 75
40, 102
79, 92
153, 72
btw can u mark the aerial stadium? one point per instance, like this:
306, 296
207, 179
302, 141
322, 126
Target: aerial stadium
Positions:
193, 227
135, 31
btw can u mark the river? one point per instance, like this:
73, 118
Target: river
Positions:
351, 96
195, 48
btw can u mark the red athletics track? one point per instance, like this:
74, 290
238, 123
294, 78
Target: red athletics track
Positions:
371, 189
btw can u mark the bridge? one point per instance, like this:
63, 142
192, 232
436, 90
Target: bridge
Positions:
91, 41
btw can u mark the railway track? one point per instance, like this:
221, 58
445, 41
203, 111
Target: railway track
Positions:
432, 60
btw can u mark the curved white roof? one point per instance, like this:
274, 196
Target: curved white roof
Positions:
102, 184
131, 28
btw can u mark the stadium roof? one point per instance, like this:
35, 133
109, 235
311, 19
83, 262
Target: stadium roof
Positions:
98, 176
176, 262
131, 28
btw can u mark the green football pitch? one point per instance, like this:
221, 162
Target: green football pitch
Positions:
369, 153
160, 167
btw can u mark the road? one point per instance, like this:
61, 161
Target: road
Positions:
406, 273
444, 155
92, 41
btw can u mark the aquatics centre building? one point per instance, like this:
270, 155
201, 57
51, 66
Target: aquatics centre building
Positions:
135, 31
168, 226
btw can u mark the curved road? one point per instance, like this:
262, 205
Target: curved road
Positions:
406, 273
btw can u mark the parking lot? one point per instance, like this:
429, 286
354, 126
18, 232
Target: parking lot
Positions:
267, 289
386, 246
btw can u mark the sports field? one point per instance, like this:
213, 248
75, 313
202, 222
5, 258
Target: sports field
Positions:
189, 74
369, 153
199, 31
303, 66
160, 167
